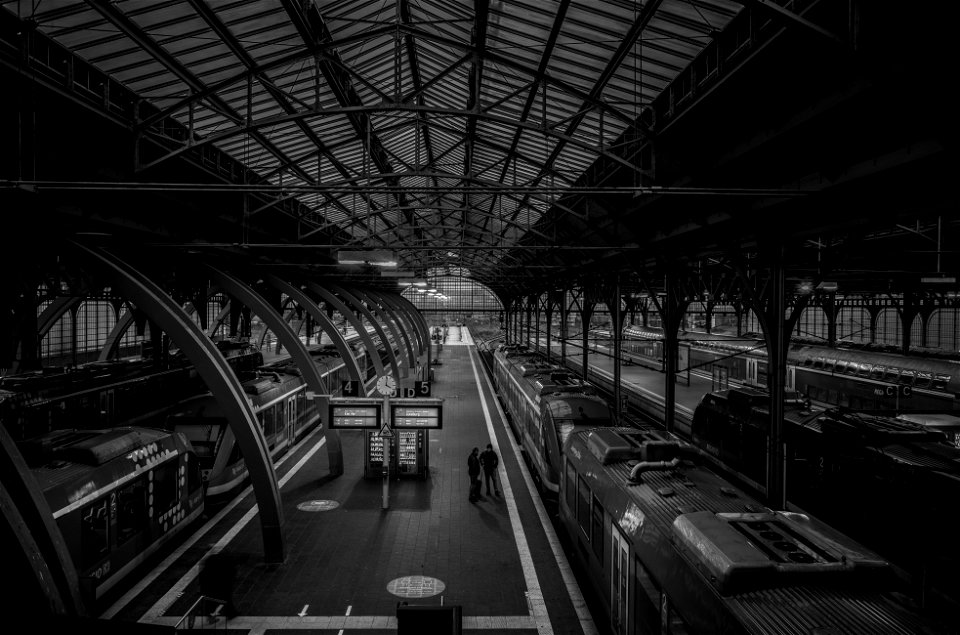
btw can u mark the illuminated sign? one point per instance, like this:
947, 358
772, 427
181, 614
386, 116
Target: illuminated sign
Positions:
355, 414
416, 414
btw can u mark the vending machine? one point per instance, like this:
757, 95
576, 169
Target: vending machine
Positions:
373, 453
411, 450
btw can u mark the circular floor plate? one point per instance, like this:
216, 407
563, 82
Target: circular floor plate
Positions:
416, 586
318, 506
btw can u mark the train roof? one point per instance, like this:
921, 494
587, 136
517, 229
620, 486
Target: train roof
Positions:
74, 466
765, 564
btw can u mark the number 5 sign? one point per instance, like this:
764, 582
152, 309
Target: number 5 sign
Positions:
422, 388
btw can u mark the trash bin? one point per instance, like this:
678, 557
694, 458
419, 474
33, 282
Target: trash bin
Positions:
413, 619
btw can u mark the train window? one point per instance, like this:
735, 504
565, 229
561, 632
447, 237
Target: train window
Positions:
818, 362
571, 487
864, 370
131, 511
583, 505
194, 480
267, 422
907, 377
923, 379
828, 365
877, 372
596, 529
94, 533
646, 599
891, 374
940, 381
807, 361
840, 367
166, 490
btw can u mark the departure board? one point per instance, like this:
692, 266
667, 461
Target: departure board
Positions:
361, 415
415, 416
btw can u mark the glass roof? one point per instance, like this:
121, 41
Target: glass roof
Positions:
419, 125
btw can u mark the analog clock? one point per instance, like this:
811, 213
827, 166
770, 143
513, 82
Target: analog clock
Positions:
386, 385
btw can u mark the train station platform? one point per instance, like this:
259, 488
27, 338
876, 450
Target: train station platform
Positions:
350, 563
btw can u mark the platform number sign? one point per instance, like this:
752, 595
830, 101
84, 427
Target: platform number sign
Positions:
422, 388
350, 388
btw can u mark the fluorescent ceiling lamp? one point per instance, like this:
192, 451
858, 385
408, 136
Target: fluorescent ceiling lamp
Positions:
396, 274
938, 280
377, 257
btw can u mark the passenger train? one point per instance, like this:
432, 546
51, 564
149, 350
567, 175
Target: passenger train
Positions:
671, 547
120, 493
106, 393
893, 481
546, 404
117, 495
845, 376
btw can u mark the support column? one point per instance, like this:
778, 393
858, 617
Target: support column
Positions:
616, 329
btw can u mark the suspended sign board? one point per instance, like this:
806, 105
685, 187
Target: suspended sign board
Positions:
423, 414
355, 414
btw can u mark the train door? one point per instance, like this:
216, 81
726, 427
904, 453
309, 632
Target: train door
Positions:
619, 582
751, 377
291, 419
106, 407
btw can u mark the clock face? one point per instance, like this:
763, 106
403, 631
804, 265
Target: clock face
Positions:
386, 385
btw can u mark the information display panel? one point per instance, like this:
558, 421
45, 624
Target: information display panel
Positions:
425, 414
356, 414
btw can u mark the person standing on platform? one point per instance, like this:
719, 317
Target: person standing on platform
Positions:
473, 469
489, 460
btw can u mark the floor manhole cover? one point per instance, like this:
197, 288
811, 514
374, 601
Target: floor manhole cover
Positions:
318, 506
416, 586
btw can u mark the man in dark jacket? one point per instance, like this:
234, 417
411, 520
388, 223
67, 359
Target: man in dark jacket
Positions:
489, 460
473, 469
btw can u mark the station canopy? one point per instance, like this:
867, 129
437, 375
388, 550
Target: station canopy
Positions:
439, 129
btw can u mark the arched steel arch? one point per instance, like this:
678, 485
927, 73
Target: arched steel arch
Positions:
389, 319
403, 326
358, 303
413, 326
298, 351
357, 324
328, 327
221, 381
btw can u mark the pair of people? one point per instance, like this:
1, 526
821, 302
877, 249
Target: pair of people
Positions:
488, 462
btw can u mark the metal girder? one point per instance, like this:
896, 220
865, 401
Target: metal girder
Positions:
409, 326
220, 380
30, 522
313, 30
253, 127
210, 17
558, 19
357, 325
298, 351
377, 327
328, 327
115, 336
643, 18
148, 44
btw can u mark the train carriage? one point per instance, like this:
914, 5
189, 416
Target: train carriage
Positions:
117, 495
546, 403
670, 547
